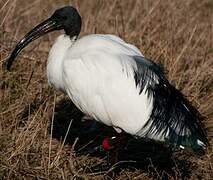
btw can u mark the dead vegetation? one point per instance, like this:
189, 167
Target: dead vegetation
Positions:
176, 34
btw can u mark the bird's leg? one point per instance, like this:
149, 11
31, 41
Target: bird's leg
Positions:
111, 145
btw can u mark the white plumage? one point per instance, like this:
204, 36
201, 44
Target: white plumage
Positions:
96, 72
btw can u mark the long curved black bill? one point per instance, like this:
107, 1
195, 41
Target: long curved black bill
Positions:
41, 29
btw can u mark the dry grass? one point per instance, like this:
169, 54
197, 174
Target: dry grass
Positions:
177, 34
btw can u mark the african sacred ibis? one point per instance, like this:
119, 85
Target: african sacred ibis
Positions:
111, 81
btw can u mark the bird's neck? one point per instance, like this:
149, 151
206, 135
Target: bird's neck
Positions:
55, 61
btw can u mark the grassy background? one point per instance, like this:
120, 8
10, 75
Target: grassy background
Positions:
176, 34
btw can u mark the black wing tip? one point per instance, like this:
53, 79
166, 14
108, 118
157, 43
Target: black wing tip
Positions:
171, 110
190, 143
170, 105
199, 149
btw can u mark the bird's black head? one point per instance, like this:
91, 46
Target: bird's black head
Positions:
69, 19
66, 18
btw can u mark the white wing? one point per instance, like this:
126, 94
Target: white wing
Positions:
102, 84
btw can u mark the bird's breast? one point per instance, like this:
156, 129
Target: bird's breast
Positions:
55, 61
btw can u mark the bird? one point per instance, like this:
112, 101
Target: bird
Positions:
111, 81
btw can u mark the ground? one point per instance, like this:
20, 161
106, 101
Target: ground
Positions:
34, 118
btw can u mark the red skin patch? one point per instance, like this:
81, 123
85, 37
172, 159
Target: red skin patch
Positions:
106, 144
